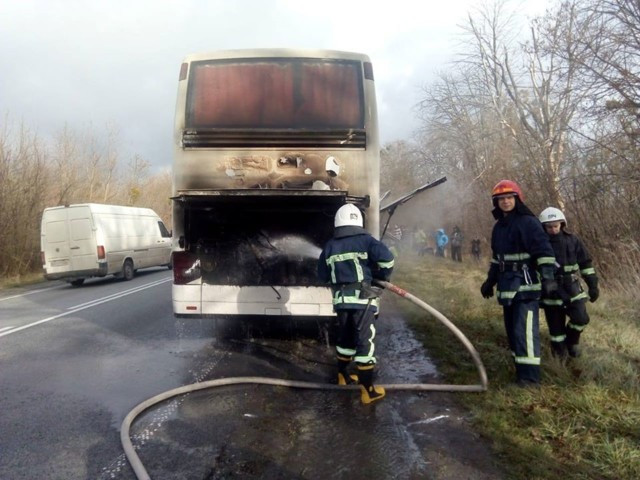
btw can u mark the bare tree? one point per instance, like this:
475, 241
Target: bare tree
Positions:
22, 185
400, 167
539, 80
110, 164
461, 135
65, 167
136, 174
558, 112
157, 193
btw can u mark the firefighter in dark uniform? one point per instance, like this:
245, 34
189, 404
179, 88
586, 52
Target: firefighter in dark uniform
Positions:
349, 262
522, 266
570, 300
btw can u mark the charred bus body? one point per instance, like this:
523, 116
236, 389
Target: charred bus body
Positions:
268, 145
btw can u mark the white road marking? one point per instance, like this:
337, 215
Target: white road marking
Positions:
87, 305
5, 328
119, 294
31, 293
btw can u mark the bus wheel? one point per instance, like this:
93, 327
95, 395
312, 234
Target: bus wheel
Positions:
77, 282
127, 270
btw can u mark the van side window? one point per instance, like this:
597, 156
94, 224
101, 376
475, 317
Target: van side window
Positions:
163, 230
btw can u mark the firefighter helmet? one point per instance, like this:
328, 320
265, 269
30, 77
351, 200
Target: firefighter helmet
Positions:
348, 215
552, 214
507, 187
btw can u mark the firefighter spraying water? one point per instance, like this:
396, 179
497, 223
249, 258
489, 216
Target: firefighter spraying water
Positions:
350, 261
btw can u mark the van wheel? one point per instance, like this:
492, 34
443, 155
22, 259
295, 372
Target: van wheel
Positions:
77, 282
127, 270
170, 266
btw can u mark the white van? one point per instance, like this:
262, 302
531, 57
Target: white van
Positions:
95, 240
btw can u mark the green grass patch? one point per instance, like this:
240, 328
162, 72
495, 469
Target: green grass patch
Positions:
584, 421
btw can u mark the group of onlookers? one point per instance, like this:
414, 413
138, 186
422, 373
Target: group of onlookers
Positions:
436, 245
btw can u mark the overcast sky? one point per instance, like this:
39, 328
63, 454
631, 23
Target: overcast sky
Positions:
92, 63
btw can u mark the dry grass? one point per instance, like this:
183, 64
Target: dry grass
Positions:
582, 423
19, 280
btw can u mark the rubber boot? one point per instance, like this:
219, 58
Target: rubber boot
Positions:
573, 338
344, 378
559, 349
368, 392
574, 350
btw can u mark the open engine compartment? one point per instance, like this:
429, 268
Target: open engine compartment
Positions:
258, 239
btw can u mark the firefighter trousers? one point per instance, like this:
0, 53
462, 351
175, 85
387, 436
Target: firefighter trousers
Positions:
565, 331
356, 334
521, 322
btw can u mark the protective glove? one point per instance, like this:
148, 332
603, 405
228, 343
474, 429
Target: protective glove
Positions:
592, 283
549, 288
486, 289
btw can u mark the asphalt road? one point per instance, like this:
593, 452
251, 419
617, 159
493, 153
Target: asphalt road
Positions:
75, 361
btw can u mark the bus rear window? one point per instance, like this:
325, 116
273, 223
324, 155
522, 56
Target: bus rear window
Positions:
275, 93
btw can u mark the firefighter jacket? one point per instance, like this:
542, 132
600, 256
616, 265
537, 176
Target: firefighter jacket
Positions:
353, 257
522, 255
573, 260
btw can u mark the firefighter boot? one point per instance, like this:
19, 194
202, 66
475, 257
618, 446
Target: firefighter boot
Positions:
573, 338
368, 392
344, 378
559, 349
574, 350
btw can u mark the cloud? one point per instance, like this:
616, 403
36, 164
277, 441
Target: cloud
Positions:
94, 62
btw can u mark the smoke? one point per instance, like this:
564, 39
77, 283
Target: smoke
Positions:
445, 206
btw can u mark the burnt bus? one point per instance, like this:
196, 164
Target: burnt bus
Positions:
268, 145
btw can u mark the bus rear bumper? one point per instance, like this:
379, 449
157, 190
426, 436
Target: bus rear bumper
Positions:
206, 300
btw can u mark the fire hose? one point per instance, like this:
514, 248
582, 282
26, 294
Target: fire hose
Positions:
141, 472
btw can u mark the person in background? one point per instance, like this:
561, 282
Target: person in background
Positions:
475, 249
570, 300
520, 250
394, 237
419, 241
397, 232
349, 262
456, 244
441, 241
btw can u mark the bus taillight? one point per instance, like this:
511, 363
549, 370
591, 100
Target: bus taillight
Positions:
186, 268
101, 253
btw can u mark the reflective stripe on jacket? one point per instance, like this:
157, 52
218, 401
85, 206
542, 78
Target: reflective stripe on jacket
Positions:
347, 260
573, 259
522, 254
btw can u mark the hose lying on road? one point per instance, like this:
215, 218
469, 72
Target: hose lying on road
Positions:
141, 472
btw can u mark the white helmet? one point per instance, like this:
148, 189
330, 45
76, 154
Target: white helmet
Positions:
552, 214
348, 214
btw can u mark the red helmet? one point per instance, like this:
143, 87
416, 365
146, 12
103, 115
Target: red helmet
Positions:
507, 187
